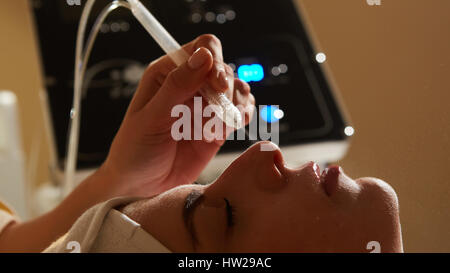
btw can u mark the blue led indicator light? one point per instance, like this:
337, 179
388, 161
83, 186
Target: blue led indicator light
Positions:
271, 114
251, 73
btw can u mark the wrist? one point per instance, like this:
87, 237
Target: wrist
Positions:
114, 182
105, 182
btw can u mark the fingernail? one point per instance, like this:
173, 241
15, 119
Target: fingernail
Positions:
247, 87
223, 80
197, 60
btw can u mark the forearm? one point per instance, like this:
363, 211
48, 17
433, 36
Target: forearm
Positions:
39, 233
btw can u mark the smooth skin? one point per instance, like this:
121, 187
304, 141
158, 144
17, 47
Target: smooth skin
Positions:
276, 209
143, 160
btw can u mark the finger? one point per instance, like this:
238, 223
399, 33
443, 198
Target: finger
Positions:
244, 100
252, 99
242, 86
242, 90
230, 94
230, 78
251, 105
208, 41
158, 70
151, 81
181, 84
218, 78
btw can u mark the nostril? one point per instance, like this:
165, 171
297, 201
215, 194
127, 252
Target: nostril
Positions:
278, 161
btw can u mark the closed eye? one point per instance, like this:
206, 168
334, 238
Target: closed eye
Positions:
230, 213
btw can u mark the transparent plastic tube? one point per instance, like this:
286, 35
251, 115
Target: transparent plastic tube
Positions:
81, 60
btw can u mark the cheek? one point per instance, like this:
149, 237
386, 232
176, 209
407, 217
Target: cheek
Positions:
287, 225
211, 227
269, 179
268, 228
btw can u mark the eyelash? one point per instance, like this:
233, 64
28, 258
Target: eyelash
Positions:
230, 213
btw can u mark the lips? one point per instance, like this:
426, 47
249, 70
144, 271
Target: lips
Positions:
311, 169
330, 179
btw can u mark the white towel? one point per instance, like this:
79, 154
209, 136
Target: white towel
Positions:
102, 229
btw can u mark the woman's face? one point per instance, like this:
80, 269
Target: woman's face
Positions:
259, 205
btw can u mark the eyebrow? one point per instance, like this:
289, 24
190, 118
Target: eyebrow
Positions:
193, 200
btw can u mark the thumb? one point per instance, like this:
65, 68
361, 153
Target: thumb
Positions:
181, 84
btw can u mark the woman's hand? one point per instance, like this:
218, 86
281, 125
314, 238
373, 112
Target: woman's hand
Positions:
144, 159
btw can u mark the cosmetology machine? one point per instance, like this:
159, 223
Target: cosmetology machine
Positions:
268, 43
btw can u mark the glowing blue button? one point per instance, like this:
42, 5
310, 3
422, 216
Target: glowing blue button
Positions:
271, 114
251, 73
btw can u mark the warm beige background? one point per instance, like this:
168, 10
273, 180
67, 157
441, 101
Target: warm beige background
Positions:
19, 72
392, 66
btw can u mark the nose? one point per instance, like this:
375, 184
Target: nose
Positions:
257, 168
268, 165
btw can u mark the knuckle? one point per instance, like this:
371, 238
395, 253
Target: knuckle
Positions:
155, 64
228, 69
252, 99
150, 75
174, 81
153, 71
209, 39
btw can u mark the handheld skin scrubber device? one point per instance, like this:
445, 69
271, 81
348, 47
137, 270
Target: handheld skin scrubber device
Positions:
221, 105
